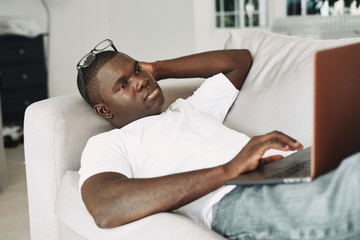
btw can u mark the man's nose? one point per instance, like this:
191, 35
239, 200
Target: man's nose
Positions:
140, 82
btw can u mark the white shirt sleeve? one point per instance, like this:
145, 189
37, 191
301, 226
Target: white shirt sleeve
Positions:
103, 154
214, 97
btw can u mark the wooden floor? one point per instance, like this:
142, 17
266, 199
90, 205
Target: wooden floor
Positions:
14, 214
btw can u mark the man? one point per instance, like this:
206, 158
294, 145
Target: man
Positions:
179, 160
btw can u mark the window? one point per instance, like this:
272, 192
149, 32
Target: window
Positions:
323, 7
240, 13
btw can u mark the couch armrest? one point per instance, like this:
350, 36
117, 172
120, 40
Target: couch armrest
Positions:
55, 133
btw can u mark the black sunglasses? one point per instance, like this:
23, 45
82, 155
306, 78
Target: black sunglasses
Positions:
89, 58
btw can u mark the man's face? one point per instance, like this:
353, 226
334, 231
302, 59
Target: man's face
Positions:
128, 92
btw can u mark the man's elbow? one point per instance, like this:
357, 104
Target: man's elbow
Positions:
102, 222
108, 221
105, 215
242, 61
247, 59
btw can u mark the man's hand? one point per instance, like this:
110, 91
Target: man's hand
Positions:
148, 67
251, 156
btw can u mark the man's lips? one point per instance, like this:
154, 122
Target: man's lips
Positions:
152, 94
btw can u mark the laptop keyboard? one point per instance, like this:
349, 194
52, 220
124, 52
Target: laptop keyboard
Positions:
301, 169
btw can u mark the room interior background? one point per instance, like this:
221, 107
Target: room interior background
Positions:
147, 30
156, 29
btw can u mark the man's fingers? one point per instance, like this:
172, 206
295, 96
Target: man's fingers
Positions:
255, 149
270, 159
274, 143
281, 140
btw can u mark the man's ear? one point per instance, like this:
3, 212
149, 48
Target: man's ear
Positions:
103, 111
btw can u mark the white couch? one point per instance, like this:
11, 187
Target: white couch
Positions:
276, 95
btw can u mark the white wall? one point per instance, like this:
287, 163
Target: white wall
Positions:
146, 30
206, 36
154, 29
24, 8
76, 26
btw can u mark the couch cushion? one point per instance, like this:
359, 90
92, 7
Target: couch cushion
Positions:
72, 212
278, 92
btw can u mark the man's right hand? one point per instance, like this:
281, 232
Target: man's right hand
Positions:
251, 156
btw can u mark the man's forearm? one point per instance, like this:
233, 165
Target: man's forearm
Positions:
114, 201
235, 64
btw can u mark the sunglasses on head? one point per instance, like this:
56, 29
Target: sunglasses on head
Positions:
103, 46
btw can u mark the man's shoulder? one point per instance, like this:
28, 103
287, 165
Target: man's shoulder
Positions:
106, 136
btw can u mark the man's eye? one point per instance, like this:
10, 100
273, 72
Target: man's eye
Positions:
139, 69
122, 86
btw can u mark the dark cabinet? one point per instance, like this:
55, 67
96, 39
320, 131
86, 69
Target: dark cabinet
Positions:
23, 77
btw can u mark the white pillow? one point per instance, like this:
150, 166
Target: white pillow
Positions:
278, 92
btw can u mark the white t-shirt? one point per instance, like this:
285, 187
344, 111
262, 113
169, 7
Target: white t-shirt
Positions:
188, 136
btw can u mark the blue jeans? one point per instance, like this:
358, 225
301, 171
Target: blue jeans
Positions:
328, 208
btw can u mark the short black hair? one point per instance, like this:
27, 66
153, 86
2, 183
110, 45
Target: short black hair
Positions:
89, 75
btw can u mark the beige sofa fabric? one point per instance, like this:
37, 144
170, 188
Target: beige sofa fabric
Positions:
278, 91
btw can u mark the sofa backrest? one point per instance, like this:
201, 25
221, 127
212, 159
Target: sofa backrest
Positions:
278, 91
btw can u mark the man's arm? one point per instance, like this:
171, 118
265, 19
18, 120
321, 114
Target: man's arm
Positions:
235, 64
114, 200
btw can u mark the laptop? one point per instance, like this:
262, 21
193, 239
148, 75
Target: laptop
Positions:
336, 122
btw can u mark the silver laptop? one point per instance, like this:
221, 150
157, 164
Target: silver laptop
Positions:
336, 122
